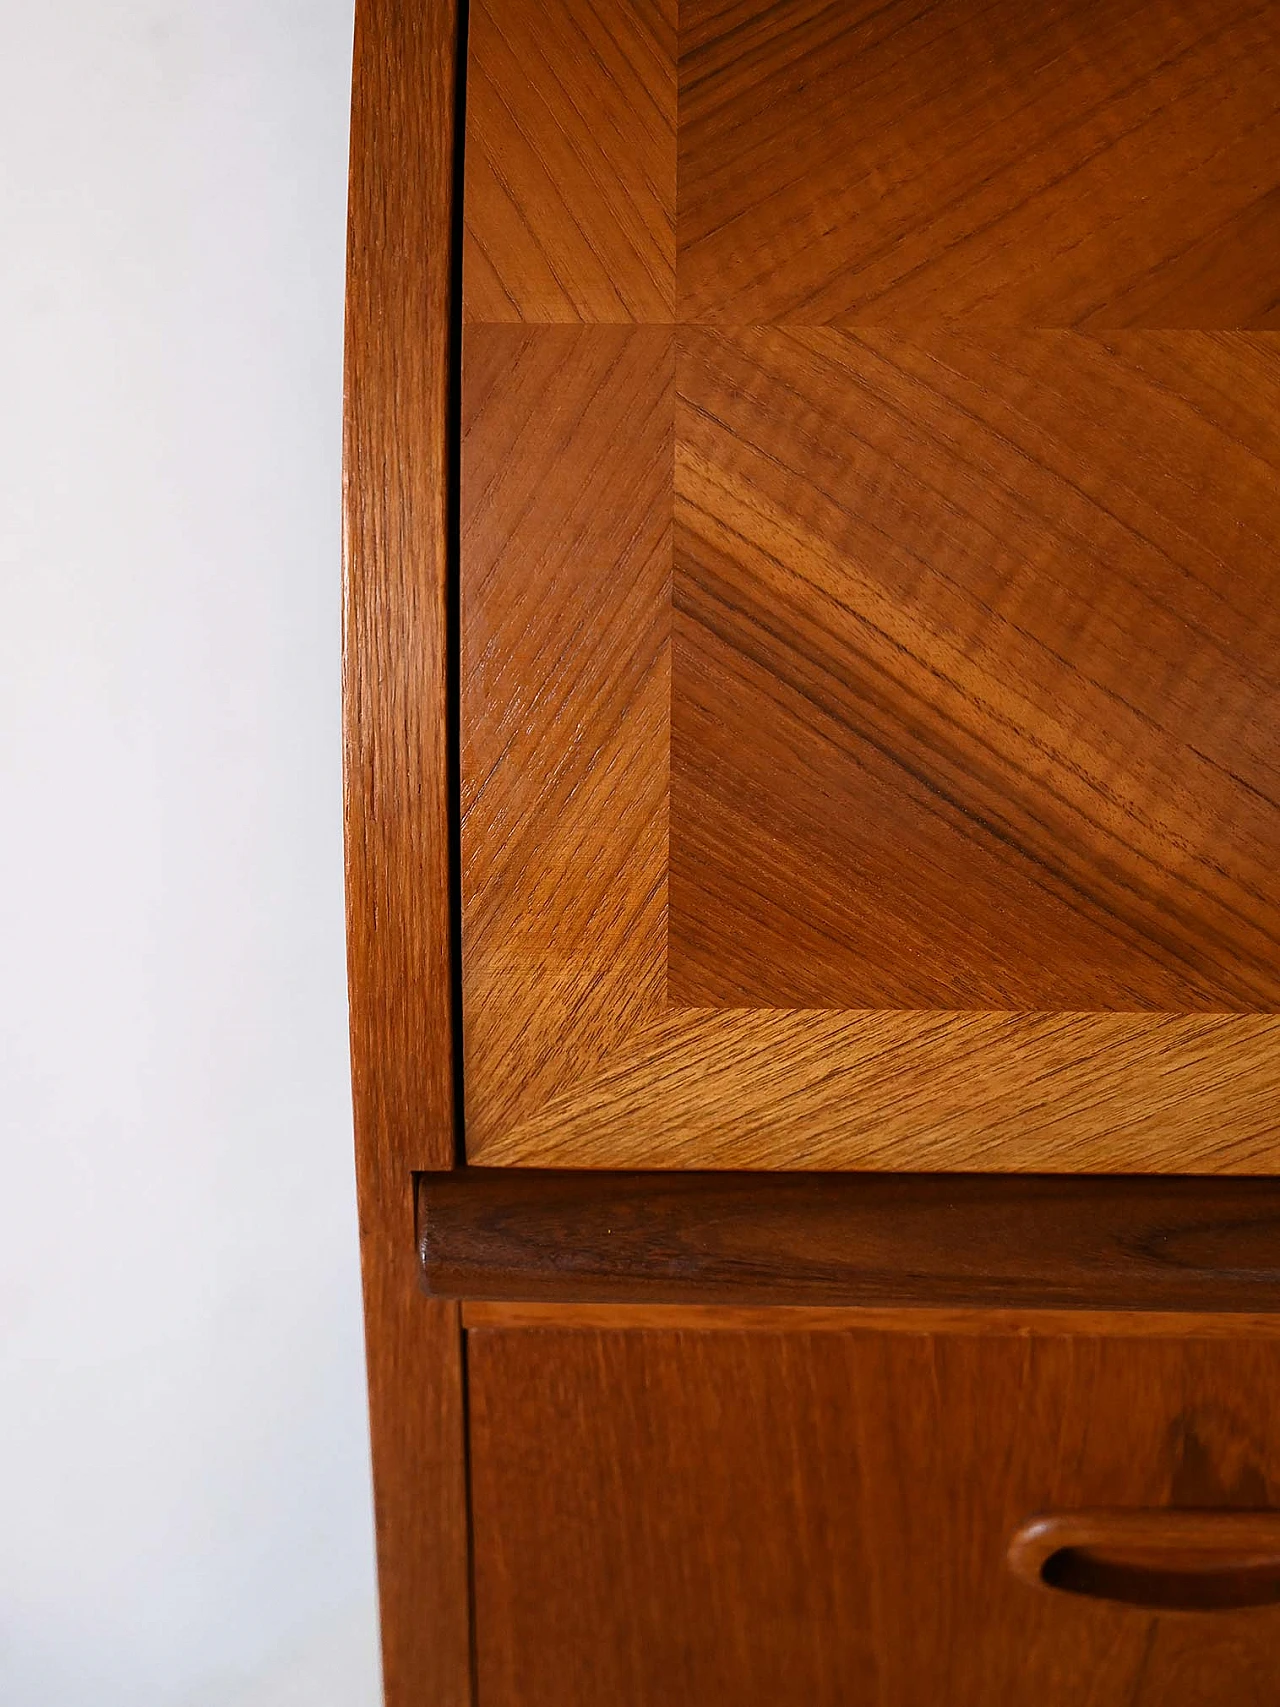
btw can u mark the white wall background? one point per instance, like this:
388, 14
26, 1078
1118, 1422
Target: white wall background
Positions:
184, 1506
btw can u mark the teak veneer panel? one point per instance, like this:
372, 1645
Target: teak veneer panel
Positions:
565, 689
870, 751
976, 671
1096, 164
1039, 1093
902, 782
755, 1517
570, 161
1100, 163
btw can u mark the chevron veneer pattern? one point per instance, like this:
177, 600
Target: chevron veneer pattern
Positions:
869, 601
972, 637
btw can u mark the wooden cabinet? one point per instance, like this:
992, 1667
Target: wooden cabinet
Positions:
813, 816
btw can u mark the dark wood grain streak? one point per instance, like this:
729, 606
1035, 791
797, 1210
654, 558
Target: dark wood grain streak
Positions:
842, 1239
397, 810
669, 1519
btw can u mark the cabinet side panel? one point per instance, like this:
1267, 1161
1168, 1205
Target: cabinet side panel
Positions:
396, 515
398, 791
417, 1418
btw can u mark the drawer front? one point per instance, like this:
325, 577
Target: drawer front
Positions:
669, 1519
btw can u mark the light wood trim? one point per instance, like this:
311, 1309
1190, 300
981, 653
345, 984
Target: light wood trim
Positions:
483, 1315
993, 1093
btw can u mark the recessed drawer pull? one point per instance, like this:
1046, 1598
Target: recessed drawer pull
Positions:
1178, 1561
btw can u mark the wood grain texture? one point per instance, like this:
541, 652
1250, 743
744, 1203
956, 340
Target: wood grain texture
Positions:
869, 1319
570, 161
395, 635
1032, 1093
976, 660
1094, 164
417, 1421
924, 814
397, 809
746, 1517
974, 667
565, 684
845, 1239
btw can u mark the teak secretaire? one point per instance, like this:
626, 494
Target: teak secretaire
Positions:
813, 824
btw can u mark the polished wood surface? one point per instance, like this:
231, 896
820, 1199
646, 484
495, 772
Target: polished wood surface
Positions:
571, 161
869, 1318
1008, 606
565, 690
417, 1426
1171, 1561
395, 678
1045, 1093
888, 779
670, 1518
841, 1239
1095, 164
397, 810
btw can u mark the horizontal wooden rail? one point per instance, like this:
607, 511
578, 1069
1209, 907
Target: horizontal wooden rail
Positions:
1029, 1241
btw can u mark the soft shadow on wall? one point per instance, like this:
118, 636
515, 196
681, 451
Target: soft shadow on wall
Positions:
183, 1451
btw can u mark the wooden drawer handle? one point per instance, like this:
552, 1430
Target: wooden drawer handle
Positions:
1179, 1561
